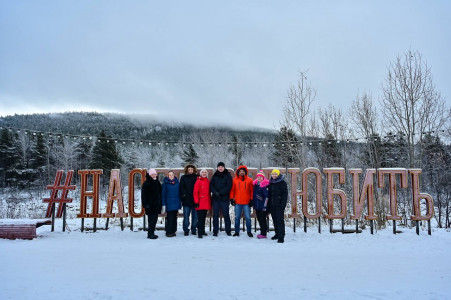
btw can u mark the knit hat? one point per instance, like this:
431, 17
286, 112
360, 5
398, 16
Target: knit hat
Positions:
200, 173
152, 171
220, 164
261, 174
276, 171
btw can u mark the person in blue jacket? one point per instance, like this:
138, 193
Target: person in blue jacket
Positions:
261, 186
172, 202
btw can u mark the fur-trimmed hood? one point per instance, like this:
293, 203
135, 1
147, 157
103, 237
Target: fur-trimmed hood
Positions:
263, 184
185, 170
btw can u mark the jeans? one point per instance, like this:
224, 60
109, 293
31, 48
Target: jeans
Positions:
247, 215
187, 210
224, 207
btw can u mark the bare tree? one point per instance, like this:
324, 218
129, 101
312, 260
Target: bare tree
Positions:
296, 113
411, 104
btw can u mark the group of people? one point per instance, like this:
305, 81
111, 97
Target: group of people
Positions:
197, 194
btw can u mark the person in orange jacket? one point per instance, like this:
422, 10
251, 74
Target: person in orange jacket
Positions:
241, 197
202, 201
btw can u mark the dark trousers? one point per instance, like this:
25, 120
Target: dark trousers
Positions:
278, 220
152, 219
261, 217
171, 221
223, 206
201, 216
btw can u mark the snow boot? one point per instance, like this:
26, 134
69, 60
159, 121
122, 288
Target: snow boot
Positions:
236, 234
249, 234
275, 237
280, 240
215, 234
229, 234
186, 233
200, 235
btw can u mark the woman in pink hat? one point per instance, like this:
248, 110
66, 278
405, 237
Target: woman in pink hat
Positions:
260, 199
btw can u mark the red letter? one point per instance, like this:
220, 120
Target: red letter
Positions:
331, 192
417, 196
367, 192
303, 193
115, 193
392, 181
84, 194
131, 192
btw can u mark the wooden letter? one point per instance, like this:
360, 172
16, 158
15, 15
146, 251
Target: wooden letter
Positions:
417, 196
331, 192
366, 192
392, 182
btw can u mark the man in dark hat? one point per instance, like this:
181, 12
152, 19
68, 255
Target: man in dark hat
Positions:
220, 186
187, 182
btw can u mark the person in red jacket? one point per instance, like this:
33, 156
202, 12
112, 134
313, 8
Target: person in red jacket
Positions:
241, 197
202, 201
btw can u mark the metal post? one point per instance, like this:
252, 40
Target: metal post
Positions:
82, 224
64, 217
343, 226
394, 226
294, 224
319, 224
330, 225
417, 225
53, 217
429, 227
95, 224
372, 226
356, 226
131, 223
122, 224
255, 225
305, 224
106, 223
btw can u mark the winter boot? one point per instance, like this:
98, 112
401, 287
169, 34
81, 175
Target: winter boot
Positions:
229, 234
275, 237
236, 234
280, 240
249, 234
186, 233
261, 236
215, 234
200, 235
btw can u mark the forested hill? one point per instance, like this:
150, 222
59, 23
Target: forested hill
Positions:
120, 126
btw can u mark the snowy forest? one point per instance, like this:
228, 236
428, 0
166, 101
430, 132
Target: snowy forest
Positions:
406, 126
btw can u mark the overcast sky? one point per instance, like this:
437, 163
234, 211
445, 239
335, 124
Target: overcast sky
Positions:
229, 62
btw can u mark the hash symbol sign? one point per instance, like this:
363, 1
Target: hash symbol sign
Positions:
64, 191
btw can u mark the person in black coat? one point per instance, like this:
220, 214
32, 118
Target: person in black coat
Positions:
220, 186
187, 182
278, 195
151, 201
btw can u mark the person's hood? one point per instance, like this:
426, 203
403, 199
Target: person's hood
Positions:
169, 181
279, 178
185, 170
239, 168
263, 184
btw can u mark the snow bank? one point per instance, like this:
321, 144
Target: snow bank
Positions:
125, 265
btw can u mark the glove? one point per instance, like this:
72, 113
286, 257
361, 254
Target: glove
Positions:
251, 203
232, 201
196, 205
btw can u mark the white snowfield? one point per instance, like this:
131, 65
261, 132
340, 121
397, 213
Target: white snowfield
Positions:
125, 265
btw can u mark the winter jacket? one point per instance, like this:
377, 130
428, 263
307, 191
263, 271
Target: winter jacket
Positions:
261, 194
151, 195
278, 192
242, 188
202, 193
220, 185
186, 189
171, 194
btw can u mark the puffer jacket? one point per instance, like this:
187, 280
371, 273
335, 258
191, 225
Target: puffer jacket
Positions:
151, 195
220, 185
278, 192
187, 182
260, 196
171, 194
202, 193
242, 188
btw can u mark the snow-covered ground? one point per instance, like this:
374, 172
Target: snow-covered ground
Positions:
125, 265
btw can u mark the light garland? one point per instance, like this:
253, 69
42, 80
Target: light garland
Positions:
134, 142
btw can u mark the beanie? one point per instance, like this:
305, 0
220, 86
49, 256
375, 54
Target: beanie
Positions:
220, 164
261, 174
152, 171
276, 171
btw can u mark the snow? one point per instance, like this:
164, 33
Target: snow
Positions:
117, 264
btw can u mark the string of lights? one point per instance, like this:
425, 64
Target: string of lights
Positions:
308, 141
